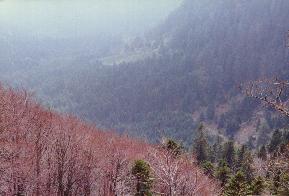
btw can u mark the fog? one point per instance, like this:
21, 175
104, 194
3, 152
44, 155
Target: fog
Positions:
40, 35
78, 18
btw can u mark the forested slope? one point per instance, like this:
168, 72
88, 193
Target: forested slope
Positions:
200, 55
44, 153
197, 59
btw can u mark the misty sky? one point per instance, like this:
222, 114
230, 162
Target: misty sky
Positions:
65, 18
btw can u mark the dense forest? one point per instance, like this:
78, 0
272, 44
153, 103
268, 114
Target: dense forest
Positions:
44, 153
185, 71
196, 103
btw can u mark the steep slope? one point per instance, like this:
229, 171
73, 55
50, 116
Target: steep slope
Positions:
45, 153
199, 56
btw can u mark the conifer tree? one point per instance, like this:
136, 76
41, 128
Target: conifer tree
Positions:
247, 166
263, 136
216, 150
208, 168
173, 147
229, 153
257, 187
275, 141
262, 154
244, 162
201, 146
240, 157
223, 172
141, 171
237, 185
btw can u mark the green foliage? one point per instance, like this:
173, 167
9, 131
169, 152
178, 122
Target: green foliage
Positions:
257, 187
141, 170
275, 141
263, 134
279, 181
262, 154
216, 150
284, 188
173, 147
201, 146
208, 168
229, 153
223, 172
237, 186
244, 162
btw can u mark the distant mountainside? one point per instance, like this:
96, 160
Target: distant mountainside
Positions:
201, 54
184, 72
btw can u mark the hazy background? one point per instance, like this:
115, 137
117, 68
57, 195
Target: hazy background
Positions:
37, 36
148, 67
78, 18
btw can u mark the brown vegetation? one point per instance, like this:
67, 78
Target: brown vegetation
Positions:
44, 153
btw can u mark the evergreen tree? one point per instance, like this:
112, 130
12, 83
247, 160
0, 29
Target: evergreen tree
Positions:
240, 157
262, 154
244, 162
275, 141
237, 185
201, 146
280, 181
275, 182
223, 172
286, 136
284, 188
173, 147
229, 153
257, 187
263, 136
141, 171
251, 142
247, 166
208, 168
216, 150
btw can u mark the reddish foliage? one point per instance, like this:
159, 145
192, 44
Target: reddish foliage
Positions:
44, 153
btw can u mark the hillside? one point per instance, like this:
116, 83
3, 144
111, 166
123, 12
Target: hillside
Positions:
45, 153
183, 72
94, 101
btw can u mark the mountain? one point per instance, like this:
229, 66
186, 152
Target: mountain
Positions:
183, 72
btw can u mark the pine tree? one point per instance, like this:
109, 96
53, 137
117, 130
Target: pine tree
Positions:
223, 172
275, 141
240, 157
201, 146
229, 153
237, 185
141, 171
257, 187
208, 168
173, 147
284, 189
280, 180
286, 136
216, 150
262, 154
263, 136
247, 166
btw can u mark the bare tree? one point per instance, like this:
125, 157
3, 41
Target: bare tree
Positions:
44, 153
273, 92
178, 174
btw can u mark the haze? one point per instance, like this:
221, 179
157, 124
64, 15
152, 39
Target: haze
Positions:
82, 18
